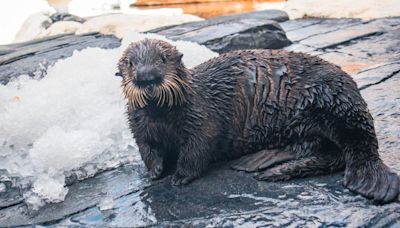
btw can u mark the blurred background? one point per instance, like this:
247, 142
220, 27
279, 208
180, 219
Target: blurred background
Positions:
202, 8
23, 20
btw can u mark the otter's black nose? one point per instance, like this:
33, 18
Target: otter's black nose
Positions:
147, 75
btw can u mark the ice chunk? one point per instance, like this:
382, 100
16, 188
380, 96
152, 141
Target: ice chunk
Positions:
2, 187
106, 204
50, 188
33, 201
71, 122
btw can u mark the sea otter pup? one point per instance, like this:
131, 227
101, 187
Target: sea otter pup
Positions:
283, 114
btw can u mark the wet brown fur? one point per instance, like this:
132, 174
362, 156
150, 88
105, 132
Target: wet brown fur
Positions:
283, 114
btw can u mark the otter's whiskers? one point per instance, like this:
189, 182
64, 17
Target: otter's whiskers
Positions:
170, 92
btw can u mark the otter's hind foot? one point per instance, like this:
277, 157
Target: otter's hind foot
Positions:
156, 169
303, 167
178, 179
373, 180
261, 160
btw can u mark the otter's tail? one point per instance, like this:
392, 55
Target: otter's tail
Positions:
372, 179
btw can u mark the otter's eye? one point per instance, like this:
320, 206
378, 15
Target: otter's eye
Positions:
130, 64
164, 60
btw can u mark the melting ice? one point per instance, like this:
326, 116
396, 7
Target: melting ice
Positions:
71, 122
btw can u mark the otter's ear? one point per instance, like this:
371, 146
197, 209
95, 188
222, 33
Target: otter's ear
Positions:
119, 68
118, 74
180, 56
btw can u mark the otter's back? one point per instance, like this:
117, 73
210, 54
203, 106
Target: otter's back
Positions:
259, 92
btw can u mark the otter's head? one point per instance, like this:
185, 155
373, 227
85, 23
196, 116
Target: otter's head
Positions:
153, 73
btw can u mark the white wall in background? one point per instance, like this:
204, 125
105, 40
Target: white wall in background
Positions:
365, 9
13, 14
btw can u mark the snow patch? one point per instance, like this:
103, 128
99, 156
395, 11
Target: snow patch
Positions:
71, 122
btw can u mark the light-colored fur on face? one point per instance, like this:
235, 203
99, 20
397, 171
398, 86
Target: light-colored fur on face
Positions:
159, 54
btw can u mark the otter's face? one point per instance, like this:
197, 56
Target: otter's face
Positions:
152, 73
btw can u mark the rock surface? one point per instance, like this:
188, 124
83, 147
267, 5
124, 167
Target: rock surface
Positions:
34, 57
227, 33
248, 30
368, 50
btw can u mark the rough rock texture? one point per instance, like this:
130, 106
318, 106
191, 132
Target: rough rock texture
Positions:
368, 50
35, 56
240, 31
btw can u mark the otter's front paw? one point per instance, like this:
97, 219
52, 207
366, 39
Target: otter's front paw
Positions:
179, 179
157, 169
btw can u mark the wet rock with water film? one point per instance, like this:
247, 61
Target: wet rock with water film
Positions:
367, 50
241, 31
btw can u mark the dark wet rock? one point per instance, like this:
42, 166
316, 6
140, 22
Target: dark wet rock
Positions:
377, 74
316, 27
270, 15
10, 196
352, 44
223, 197
370, 51
292, 25
33, 57
82, 196
240, 31
341, 36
